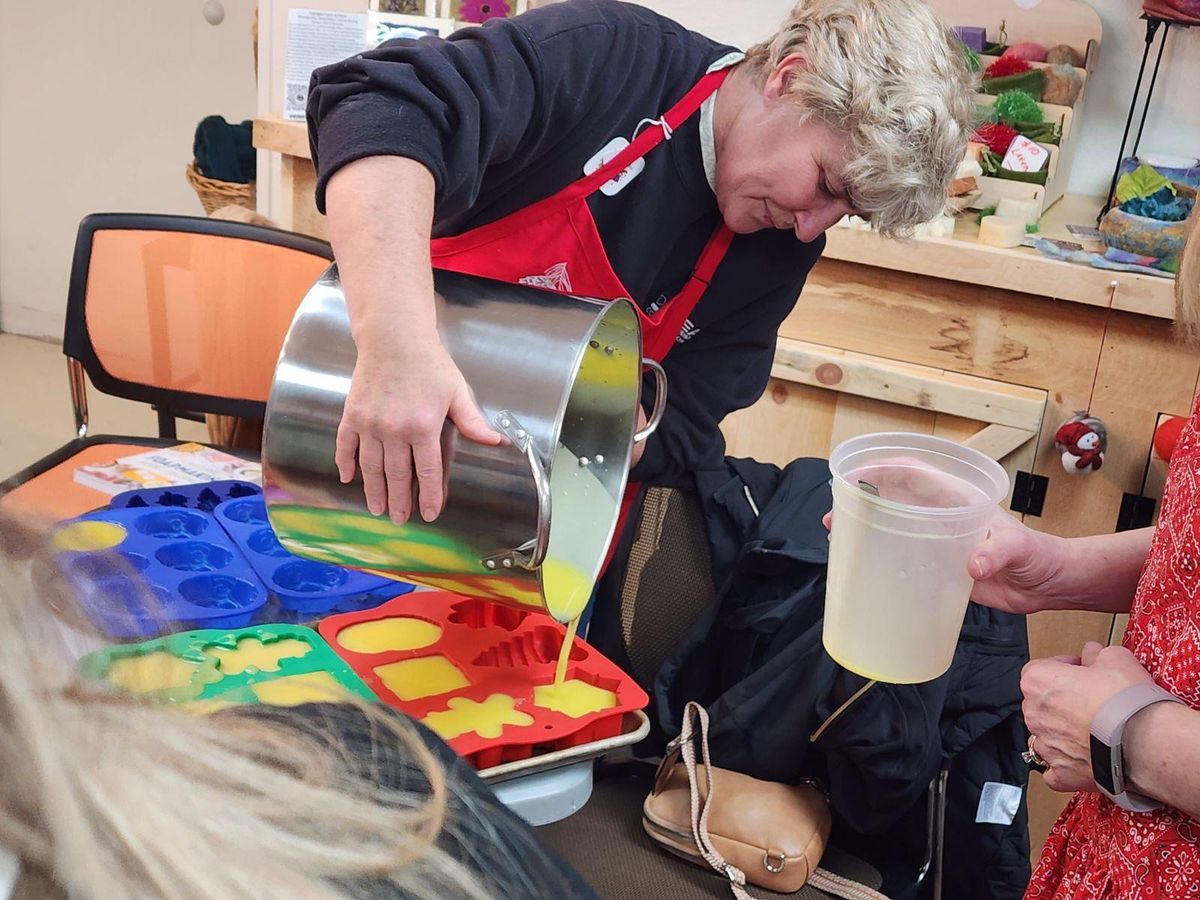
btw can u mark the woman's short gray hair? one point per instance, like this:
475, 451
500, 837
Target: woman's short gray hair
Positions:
893, 79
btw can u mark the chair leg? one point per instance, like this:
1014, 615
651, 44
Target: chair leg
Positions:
78, 382
166, 423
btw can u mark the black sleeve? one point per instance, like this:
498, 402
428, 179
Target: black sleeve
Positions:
500, 99
722, 369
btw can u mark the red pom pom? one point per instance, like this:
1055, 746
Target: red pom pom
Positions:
1006, 65
996, 135
1166, 436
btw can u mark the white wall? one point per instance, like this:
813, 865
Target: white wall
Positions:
1173, 125
98, 106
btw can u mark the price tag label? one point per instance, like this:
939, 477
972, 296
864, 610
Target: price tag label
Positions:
1025, 155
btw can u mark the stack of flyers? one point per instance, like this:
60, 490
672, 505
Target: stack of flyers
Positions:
168, 466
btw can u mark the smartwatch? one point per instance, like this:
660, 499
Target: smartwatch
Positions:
1108, 757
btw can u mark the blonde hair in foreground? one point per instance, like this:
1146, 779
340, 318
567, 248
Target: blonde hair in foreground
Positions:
103, 795
1187, 286
891, 77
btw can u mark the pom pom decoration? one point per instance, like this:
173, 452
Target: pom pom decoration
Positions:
1166, 436
997, 136
1006, 65
1064, 54
1083, 441
1018, 106
1029, 50
1061, 85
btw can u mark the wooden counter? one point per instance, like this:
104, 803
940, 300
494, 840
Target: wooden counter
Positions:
994, 347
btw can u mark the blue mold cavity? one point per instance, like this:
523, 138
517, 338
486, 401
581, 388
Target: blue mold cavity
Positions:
306, 577
264, 541
247, 512
174, 524
194, 556
95, 566
219, 592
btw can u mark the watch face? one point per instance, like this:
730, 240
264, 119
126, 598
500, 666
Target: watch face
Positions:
1102, 765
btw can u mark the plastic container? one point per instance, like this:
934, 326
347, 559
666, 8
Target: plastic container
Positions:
482, 668
908, 510
140, 570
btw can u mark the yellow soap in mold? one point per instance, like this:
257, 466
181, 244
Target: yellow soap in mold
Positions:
412, 679
88, 536
253, 653
400, 633
292, 690
573, 698
486, 719
150, 672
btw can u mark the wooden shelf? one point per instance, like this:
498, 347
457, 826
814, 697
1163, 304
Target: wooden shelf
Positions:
274, 132
1022, 269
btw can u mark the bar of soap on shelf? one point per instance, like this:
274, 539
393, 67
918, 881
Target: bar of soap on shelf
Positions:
1028, 211
1002, 231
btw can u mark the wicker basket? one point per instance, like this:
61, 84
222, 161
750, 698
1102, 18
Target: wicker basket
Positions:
214, 194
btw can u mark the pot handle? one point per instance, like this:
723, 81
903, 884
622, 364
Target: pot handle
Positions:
660, 400
531, 554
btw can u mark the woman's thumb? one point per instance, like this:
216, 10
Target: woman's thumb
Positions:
997, 553
470, 421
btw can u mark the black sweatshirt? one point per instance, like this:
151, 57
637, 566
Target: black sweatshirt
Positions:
506, 114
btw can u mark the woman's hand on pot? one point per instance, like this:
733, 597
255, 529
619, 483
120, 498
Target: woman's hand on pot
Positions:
1016, 569
1062, 696
401, 396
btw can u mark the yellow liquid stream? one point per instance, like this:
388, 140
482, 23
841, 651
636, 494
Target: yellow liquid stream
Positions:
150, 672
486, 719
253, 653
412, 679
389, 634
292, 690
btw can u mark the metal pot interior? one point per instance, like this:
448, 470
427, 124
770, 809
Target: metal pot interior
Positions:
590, 462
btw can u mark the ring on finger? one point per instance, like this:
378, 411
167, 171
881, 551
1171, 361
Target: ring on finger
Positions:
1031, 756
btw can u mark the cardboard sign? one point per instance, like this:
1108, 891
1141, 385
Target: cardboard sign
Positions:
1025, 155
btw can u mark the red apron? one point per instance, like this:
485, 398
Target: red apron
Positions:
554, 244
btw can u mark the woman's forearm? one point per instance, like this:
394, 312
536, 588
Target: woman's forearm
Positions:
1162, 755
380, 218
1101, 573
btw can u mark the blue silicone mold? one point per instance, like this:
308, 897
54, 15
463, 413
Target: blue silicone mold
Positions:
205, 497
301, 585
174, 565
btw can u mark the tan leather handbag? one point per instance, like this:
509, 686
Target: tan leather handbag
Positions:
760, 832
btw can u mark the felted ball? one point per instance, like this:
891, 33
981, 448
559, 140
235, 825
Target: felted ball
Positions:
1166, 436
1062, 84
997, 137
1018, 106
1061, 54
1030, 50
1006, 65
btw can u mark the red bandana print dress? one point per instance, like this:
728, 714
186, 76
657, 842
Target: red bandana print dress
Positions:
1098, 850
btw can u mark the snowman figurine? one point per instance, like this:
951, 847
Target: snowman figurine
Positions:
1083, 441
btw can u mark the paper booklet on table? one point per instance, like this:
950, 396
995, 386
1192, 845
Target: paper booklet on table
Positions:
167, 466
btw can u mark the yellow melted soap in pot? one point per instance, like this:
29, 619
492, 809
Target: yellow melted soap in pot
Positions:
292, 690
150, 672
574, 698
412, 679
486, 719
253, 653
401, 633
88, 537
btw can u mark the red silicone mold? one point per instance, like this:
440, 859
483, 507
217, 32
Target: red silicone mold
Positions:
497, 650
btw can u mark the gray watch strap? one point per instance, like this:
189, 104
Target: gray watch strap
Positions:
1108, 726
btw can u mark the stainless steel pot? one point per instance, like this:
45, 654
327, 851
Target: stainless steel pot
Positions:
526, 523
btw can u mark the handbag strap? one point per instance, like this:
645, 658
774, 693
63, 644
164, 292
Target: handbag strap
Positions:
701, 805
821, 879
